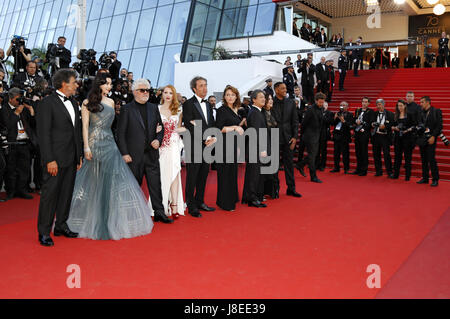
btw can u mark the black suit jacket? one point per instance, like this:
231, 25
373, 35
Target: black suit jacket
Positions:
20, 79
389, 122
396, 62
10, 119
443, 45
416, 61
59, 140
288, 123
257, 120
131, 130
345, 132
308, 78
321, 74
366, 119
433, 121
311, 124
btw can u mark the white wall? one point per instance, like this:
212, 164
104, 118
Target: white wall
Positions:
394, 26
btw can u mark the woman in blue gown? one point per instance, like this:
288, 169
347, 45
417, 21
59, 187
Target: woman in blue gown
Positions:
107, 202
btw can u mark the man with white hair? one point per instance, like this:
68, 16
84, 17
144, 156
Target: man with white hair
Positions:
139, 141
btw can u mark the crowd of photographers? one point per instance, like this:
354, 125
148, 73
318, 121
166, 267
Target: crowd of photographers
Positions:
28, 84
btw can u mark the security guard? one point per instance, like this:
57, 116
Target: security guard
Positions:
268, 89
342, 66
289, 80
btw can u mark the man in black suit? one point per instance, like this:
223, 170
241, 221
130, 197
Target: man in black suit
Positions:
349, 54
407, 62
443, 49
290, 80
18, 117
416, 60
139, 141
343, 121
395, 61
322, 75
253, 184
285, 113
114, 69
342, 66
60, 53
363, 123
28, 78
431, 120
411, 106
59, 133
358, 55
311, 127
304, 32
330, 80
382, 122
321, 38
308, 71
325, 136
197, 110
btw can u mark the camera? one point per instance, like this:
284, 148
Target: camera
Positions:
444, 139
106, 61
359, 127
87, 55
421, 131
401, 128
17, 41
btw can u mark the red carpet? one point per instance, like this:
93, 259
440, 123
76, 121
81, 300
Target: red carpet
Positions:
318, 246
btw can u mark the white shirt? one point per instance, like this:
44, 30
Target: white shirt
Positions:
259, 109
21, 134
68, 106
3, 67
203, 106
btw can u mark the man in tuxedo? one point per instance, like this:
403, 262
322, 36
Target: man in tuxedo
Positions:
343, 121
382, 122
321, 38
443, 48
416, 60
322, 75
363, 124
3, 66
330, 80
194, 110
431, 120
312, 124
342, 66
59, 133
18, 118
349, 54
139, 142
304, 32
395, 61
407, 62
308, 71
325, 136
358, 54
285, 113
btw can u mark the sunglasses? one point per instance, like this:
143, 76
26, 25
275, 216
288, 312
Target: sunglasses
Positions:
144, 90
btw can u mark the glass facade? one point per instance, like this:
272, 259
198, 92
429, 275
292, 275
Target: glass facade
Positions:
149, 36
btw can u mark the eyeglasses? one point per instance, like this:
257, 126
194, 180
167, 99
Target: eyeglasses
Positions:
144, 90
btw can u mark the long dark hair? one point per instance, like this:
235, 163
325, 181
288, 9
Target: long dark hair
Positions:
397, 111
95, 94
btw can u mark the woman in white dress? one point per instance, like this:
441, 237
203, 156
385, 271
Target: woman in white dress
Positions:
170, 154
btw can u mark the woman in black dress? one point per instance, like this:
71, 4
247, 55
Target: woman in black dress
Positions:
271, 184
228, 120
404, 140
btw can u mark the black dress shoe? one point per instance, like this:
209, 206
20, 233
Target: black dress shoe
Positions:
24, 196
434, 184
161, 217
316, 180
378, 174
355, 173
257, 204
321, 169
346, 171
46, 240
407, 178
334, 170
301, 169
10, 196
293, 193
195, 213
362, 174
244, 201
206, 208
65, 232
423, 181
391, 176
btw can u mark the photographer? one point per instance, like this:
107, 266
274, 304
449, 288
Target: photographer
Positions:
342, 138
58, 55
27, 80
123, 74
382, 122
3, 67
3, 83
121, 92
20, 53
18, 117
430, 127
362, 125
115, 66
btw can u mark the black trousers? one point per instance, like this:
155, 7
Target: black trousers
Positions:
362, 152
342, 76
350, 62
313, 150
321, 159
403, 146
301, 150
358, 65
342, 147
381, 143
428, 155
2, 166
18, 169
308, 92
288, 164
56, 196
149, 167
196, 176
253, 183
37, 168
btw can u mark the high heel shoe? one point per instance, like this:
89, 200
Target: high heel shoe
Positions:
176, 215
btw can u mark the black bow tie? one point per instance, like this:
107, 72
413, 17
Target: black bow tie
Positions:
64, 97
203, 101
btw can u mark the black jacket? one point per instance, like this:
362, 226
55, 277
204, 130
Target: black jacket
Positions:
257, 120
308, 78
10, 119
443, 45
343, 63
344, 133
433, 121
288, 123
59, 140
20, 79
389, 122
321, 73
366, 121
131, 130
311, 124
